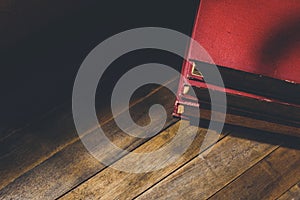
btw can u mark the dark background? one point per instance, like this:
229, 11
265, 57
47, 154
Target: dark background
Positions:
43, 44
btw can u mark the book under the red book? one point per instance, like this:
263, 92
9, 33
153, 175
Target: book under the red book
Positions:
256, 47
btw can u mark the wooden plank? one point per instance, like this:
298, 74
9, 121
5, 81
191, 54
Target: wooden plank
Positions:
293, 193
114, 184
228, 158
202, 177
268, 179
29, 147
72, 164
24, 149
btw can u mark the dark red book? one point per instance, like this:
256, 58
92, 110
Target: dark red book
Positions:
256, 47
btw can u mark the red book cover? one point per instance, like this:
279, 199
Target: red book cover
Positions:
256, 47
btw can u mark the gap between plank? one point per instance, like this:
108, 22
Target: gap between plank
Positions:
178, 168
96, 173
57, 150
276, 147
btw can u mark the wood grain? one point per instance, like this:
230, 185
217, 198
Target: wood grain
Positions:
47, 161
114, 184
25, 148
268, 179
292, 193
206, 174
71, 164
28, 147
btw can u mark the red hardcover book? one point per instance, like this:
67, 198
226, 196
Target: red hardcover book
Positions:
256, 47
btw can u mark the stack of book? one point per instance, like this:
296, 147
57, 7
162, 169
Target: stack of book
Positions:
255, 46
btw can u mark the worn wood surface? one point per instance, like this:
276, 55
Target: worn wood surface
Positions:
292, 193
68, 164
266, 180
114, 184
47, 160
203, 176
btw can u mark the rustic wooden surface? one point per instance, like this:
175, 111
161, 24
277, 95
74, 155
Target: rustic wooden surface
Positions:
202, 177
46, 160
278, 172
111, 183
22, 161
293, 193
